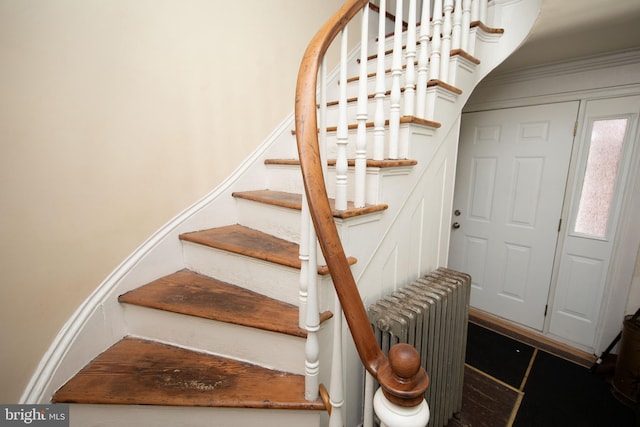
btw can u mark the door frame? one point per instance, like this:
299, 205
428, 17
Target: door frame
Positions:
582, 80
625, 254
625, 241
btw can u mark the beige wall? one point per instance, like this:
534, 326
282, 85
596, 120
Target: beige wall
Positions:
115, 116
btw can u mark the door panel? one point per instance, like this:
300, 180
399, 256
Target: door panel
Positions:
510, 183
585, 256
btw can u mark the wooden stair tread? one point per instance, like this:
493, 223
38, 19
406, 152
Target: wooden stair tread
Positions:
403, 119
246, 241
382, 164
294, 201
486, 28
193, 294
141, 372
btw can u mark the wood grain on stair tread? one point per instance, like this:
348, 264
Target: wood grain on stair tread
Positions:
403, 119
382, 164
140, 372
486, 28
294, 201
190, 293
253, 243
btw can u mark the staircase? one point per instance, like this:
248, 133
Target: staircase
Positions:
202, 325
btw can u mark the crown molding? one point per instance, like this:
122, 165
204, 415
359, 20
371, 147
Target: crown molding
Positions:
557, 69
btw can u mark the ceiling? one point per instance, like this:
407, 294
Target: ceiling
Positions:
569, 29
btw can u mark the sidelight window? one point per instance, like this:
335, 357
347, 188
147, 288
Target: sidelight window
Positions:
600, 177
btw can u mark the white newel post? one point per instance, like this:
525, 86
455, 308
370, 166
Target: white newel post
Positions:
392, 415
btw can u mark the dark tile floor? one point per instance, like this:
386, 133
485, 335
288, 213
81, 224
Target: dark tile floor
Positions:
511, 384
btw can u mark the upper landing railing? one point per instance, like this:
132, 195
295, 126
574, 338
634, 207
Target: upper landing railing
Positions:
423, 62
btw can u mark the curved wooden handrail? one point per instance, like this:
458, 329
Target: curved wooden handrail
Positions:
402, 380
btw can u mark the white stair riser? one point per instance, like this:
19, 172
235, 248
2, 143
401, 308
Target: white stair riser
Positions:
270, 279
287, 178
353, 90
291, 182
266, 278
270, 219
352, 111
256, 346
175, 416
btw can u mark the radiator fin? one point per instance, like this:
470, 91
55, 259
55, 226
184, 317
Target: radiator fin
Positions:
431, 314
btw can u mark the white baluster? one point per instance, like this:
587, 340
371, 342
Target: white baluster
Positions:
410, 55
392, 415
410, 76
436, 42
378, 122
455, 37
362, 115
312, 345
466, 23
475, 16
303, 254
322, 121
396, 73
434, 66
445, 53
475, 10
456, 33
484, 4
423, 59
337, 392
309, 261
342, 135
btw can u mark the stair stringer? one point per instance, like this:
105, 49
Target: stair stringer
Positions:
99, 322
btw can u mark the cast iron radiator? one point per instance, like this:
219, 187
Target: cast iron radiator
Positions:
431, 314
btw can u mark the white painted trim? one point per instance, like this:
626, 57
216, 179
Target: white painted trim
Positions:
605, 76
615, 301
611, 75
52, 359
557, 69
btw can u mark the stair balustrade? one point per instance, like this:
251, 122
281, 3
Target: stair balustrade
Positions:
402, 380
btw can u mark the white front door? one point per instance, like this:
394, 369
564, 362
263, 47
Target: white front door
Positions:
510, 184
603, 163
